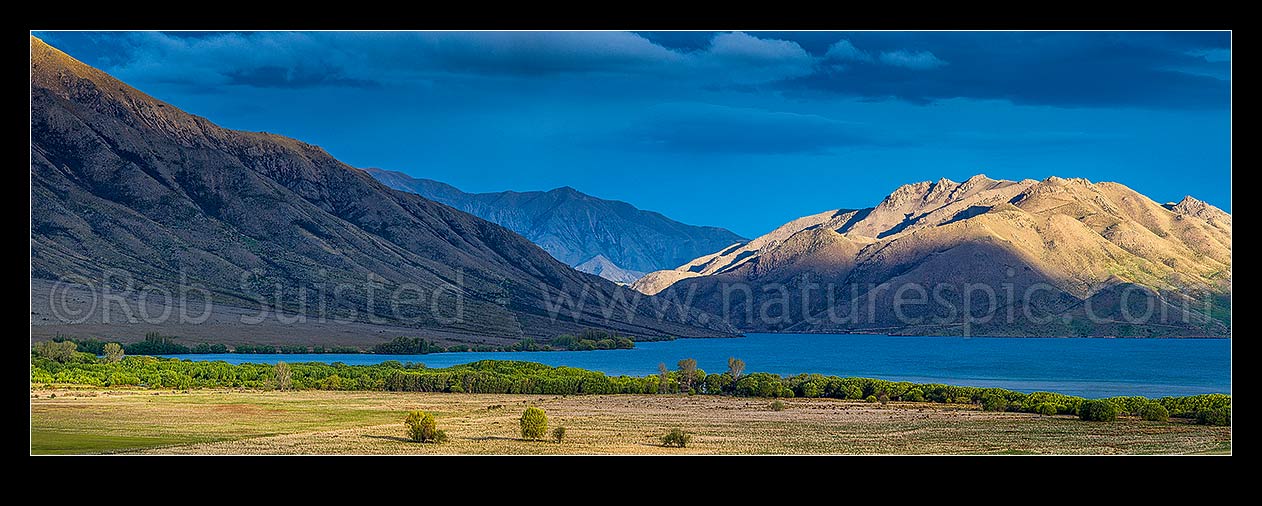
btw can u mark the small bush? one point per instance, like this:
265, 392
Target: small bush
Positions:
777, 405
1097, 411
883, 397
1045, 408
1154, 412
676, 438
422, 428
871, 398
558, 434
534, 423
994, 403
113, 352
913, 395
283, 374
1220, 415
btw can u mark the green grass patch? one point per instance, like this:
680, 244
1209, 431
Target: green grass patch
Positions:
92, 424
55, 442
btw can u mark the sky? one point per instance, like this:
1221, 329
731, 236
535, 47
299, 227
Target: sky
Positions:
742, 130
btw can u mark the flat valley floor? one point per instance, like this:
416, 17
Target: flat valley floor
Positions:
316, 422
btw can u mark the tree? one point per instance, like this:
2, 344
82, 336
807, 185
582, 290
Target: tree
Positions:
735, 367
282, 374
663, 378
534, 423
994, 402
1097, 411
331, 382
157, 344
1045, 409
677, 438
93, 346
853, 392
1217, 415
59, 352
422, 428
687, 371
1154, 412
113, 352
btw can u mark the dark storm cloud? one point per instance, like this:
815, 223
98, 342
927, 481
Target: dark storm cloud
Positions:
1166, 71
274, 76
305, 59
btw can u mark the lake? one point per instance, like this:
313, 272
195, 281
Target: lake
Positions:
1086, 367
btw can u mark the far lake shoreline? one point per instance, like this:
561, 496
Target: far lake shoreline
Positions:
1090, 367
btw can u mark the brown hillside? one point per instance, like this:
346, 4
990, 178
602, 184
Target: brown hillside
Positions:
126, 185
1081, 251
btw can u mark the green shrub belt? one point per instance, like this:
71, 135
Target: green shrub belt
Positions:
514, 377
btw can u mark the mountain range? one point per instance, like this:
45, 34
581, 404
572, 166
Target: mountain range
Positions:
1057, 257
134, 201
608, 238
127, 189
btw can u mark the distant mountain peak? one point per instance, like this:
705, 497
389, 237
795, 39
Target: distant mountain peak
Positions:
910, 205
943, 187
908, 192
603, 267
1060, 181
977, 181
1191, 206
568, 190
577, 228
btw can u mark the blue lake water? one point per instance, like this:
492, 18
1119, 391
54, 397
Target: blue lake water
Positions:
1086, 367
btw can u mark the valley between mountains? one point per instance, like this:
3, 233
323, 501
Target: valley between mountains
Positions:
611, 239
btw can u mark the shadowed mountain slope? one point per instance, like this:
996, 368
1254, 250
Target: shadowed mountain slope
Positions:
127, 188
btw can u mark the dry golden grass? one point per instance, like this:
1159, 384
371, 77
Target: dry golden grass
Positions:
309, 422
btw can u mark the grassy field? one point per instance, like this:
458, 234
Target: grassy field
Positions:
315, 422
